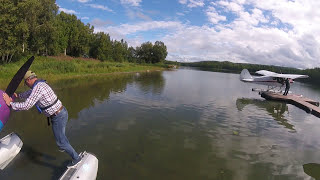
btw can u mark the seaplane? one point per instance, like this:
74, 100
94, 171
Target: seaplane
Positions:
274, 80
271, 79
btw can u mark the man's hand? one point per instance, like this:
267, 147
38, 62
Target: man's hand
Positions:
15, 95
7, 99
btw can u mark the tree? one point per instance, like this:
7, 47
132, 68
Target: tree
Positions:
8, 33
40, 16
73, 36
159, 52
46, 23
120, 50
34, 26
62, 33
132, 55
149, 53
23, 26
144, 52
101, 47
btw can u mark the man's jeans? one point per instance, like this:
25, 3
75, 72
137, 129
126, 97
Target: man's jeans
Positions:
59, 123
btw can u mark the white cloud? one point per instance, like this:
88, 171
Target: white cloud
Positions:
133, 14
68, 11
192, 3
131, 2
97, 6
183, 1
231, 6
264, 46
302, 15
124, 30
85, 18
251, 19
180, 14
213, 16
127, 29
236, 43
276, 32
83, 1
99, 23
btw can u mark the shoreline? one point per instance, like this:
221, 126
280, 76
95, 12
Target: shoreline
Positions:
64, 68
54, 79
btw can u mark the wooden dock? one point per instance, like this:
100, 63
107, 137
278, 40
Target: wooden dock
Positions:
309, 105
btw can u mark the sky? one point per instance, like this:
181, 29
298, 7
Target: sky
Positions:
272, 32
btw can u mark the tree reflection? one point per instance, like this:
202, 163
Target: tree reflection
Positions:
81, 93
275, 109
78, 94
150, 82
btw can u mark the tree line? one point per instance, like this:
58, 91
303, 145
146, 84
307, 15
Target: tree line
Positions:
227, 66
35, 27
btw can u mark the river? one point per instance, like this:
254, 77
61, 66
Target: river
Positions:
181, 124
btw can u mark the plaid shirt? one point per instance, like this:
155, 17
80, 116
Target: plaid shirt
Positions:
41, 95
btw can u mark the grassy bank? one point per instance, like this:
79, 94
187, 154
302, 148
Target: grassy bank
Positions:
56, 68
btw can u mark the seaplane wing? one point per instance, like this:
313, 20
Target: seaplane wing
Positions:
276, 75
266, 73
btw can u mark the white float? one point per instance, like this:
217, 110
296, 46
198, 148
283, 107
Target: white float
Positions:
10, 146
87, 169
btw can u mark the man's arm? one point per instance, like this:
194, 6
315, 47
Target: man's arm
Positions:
25, 95
30, 101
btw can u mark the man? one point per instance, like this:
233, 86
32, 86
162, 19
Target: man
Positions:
43, 97
287, 87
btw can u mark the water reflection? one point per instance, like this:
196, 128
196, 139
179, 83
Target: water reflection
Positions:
82, 93
43, 159
78, 94
275, 109
150, 82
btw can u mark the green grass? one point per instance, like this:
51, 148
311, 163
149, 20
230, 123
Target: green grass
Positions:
55, 68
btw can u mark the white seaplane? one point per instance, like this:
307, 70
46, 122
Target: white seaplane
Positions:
271, 79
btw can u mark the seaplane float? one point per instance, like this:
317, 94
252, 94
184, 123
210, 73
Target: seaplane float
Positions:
11, 144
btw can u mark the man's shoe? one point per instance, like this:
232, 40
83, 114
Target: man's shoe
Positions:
74, 163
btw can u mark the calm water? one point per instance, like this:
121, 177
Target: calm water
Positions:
183, 124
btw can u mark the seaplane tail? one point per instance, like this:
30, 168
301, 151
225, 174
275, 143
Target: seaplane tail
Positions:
245, 76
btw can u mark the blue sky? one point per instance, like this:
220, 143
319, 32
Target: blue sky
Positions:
275, 32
